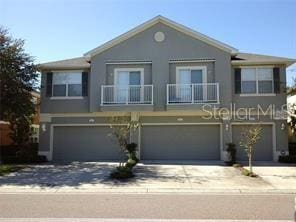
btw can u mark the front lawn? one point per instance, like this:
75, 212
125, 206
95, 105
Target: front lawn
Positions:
6, 169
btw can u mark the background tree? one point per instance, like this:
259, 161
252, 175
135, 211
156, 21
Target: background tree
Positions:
18, 78
249, 137
292, 108
292, 118
291, 90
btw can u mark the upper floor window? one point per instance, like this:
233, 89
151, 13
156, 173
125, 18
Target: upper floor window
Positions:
129, 83
67, 84
257, 80
191, 75
129, 76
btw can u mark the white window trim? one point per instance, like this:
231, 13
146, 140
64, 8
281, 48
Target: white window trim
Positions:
65, 97
203, 68
260, 94
257, 82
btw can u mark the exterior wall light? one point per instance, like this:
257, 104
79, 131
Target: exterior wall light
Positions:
227, 127
283, 126
43, 127
283, 152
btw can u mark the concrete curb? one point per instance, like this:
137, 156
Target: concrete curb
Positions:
127, 220
143, 191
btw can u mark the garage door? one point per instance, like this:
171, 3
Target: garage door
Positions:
263, 149
83, 143
194, 142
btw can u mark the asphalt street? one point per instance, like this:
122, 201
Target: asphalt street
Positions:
172, 207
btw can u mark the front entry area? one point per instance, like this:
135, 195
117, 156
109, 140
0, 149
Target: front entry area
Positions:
180, 142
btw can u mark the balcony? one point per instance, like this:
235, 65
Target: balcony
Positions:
201, 93
126, 95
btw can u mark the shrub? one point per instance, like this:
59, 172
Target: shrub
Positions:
237, 165
131, 147
287, 159
126, 171
130, 163
13, 150
245, 172
292, 149
21, 154
6, 169
23, 160
231, 150
122, 172
248, 173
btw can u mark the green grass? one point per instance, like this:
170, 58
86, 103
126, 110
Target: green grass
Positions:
6, 169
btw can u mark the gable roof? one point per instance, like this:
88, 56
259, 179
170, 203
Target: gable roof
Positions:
166, 21
74, 63
254, 59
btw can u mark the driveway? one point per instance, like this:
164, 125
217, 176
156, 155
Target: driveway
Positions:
94, 177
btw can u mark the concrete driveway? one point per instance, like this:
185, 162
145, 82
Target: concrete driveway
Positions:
94, 177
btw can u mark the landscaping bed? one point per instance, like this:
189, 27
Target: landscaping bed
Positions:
7, 169
13, 154
244, 171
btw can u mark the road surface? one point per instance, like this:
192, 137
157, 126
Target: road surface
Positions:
148, 206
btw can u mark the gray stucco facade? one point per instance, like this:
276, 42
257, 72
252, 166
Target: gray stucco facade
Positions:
76, 129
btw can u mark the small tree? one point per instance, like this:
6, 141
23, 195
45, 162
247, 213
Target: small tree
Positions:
249, 137
121, 127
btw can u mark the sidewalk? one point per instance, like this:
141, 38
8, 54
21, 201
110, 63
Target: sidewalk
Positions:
93, 178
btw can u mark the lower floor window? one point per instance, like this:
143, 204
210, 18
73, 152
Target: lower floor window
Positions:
34, 138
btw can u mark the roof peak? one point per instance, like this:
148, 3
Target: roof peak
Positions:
168, 22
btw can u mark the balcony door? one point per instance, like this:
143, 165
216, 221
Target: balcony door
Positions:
128, 84
189, 83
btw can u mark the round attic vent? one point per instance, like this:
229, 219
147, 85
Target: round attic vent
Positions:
159, 36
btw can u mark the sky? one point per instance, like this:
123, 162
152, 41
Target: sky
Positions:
62, 29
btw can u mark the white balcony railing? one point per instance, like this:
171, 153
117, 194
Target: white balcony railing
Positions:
193, 93
121, 94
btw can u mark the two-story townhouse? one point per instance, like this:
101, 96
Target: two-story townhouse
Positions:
179, 84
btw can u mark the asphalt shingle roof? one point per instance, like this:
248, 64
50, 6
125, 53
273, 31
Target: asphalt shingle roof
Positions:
74, 63
260, 59
239, 58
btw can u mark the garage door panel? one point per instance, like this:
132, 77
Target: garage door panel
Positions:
79, 143
180, 142
262, 150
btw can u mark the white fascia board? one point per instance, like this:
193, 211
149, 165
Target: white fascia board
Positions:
287, 63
